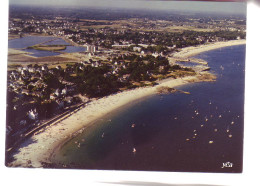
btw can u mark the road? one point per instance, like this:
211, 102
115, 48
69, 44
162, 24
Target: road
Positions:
53, 121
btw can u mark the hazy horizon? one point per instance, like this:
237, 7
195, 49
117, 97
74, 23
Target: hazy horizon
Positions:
193, 6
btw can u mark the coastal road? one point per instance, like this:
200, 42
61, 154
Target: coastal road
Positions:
53, 121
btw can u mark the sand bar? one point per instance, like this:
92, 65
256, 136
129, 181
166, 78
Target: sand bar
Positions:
44, 143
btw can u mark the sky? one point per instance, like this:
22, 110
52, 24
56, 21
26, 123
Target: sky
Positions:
221, 7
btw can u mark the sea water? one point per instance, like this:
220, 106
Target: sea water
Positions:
197, 132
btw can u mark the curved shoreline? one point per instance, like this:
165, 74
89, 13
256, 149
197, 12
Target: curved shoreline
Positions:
48, 140
192, 51
88, 125
32, 154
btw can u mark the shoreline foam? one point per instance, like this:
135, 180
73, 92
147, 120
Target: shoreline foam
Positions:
46, 142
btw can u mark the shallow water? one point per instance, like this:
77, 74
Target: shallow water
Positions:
23, 43
176, 132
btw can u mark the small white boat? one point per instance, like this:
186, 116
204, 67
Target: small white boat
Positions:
228, 129
134, 150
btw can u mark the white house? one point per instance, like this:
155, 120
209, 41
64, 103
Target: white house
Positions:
52, 96
33, 114
57, 92
137, 49
58, 67
31, 69
155, 54
64, 91
44, 68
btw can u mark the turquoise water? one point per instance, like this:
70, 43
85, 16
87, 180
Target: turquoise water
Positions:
23, 43
175, 132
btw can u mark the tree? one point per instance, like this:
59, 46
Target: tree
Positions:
52, 81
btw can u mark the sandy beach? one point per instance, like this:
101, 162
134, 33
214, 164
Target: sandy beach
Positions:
192, 51
41, 146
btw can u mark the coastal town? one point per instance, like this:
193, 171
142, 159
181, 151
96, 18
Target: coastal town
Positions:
120, 54
142, 33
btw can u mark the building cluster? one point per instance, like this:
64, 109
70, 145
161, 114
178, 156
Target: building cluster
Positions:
24, 79
133, 33
138, 36
28, 83
56, 26
91, 48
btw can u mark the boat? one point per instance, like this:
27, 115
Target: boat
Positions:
228, 129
